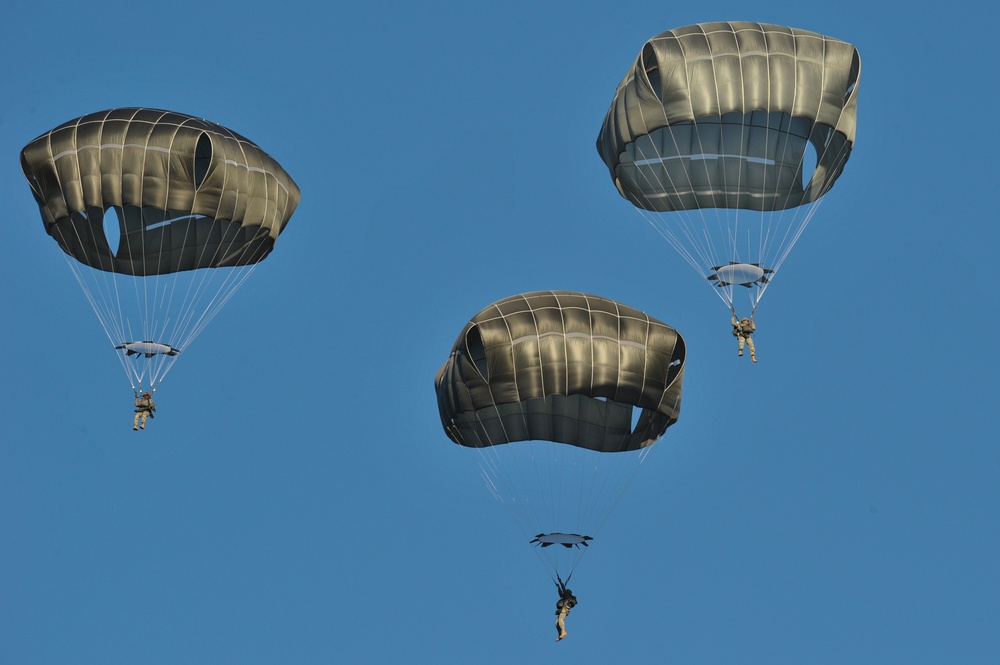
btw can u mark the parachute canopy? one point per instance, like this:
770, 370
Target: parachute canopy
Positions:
162, 217
562, 394
186, 193
732, 116
561, 366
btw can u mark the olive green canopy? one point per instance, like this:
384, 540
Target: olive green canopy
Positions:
718, 115
187, 193
561, 366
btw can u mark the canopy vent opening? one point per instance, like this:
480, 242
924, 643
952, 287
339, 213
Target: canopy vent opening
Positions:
810, 160
202, 158
477, 352
852, 77
636, 415
112, 229
651, 67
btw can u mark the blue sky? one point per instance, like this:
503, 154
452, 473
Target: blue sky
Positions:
296, 500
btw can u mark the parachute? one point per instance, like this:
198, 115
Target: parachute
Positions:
726, 136
563, 395
162, 217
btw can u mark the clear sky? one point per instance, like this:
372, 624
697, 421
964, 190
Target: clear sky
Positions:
296, 500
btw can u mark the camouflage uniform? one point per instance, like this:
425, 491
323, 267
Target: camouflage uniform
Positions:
563, 606
144, 408
743, 331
